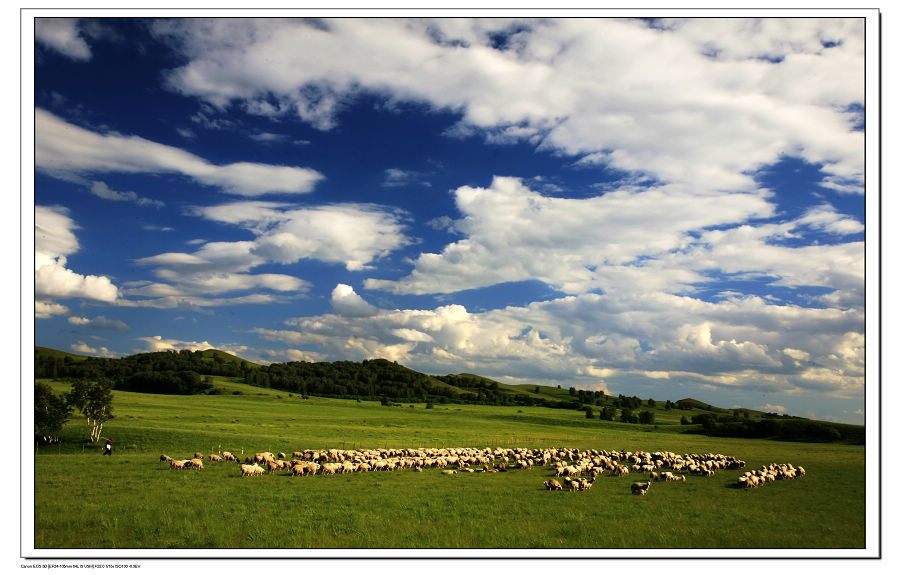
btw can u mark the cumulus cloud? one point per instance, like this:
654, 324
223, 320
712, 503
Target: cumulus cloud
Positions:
651, 339
44, 310
770, 408
650, 239
158, 343
346, 302
62, 35
54, 240
826, 218
351, 234
664, 105
71, 152
81, 347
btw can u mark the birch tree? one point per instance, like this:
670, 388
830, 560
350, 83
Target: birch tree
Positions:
94, 399
50, 413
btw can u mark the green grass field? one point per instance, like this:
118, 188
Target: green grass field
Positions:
132, 501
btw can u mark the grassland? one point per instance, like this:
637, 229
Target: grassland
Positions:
131, 501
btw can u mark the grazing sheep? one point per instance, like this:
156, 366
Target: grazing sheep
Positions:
281, 455
165, 457
213, 457
553, 485
251, 469
198, 455
228, 456
640, 488
448, 471
178, 463
195, 463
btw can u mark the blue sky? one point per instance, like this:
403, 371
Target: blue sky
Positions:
665, 208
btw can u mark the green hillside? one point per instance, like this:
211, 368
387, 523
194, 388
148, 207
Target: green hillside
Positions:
186, 373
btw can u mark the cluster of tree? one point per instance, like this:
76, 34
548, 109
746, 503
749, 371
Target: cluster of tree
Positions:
92, 398
370, 379
171, 372
780, 428
608, 413
167, 382
623, 402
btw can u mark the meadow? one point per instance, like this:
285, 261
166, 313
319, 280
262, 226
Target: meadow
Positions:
132, 501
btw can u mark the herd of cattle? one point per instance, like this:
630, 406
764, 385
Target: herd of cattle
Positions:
578, 469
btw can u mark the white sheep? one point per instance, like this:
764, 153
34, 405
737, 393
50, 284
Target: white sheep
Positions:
254, 469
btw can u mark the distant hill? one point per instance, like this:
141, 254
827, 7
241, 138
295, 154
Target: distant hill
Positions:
49, 352
193, 372
53, 363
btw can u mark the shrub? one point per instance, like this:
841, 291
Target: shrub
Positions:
647, 417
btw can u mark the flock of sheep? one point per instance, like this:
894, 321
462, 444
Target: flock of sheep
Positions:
577, 468
771, 472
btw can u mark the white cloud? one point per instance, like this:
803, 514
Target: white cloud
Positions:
81, 347
351, 234
99, 322
44, 310
655, 239
53, 241
157, 343
575, 245
770, 408
826, 218
101, 190
661, 106
650, 339
346, 302
62, 35
67, 151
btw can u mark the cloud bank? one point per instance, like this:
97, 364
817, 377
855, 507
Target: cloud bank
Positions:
592, 340
566, 84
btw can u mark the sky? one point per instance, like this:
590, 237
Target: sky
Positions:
660, 207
